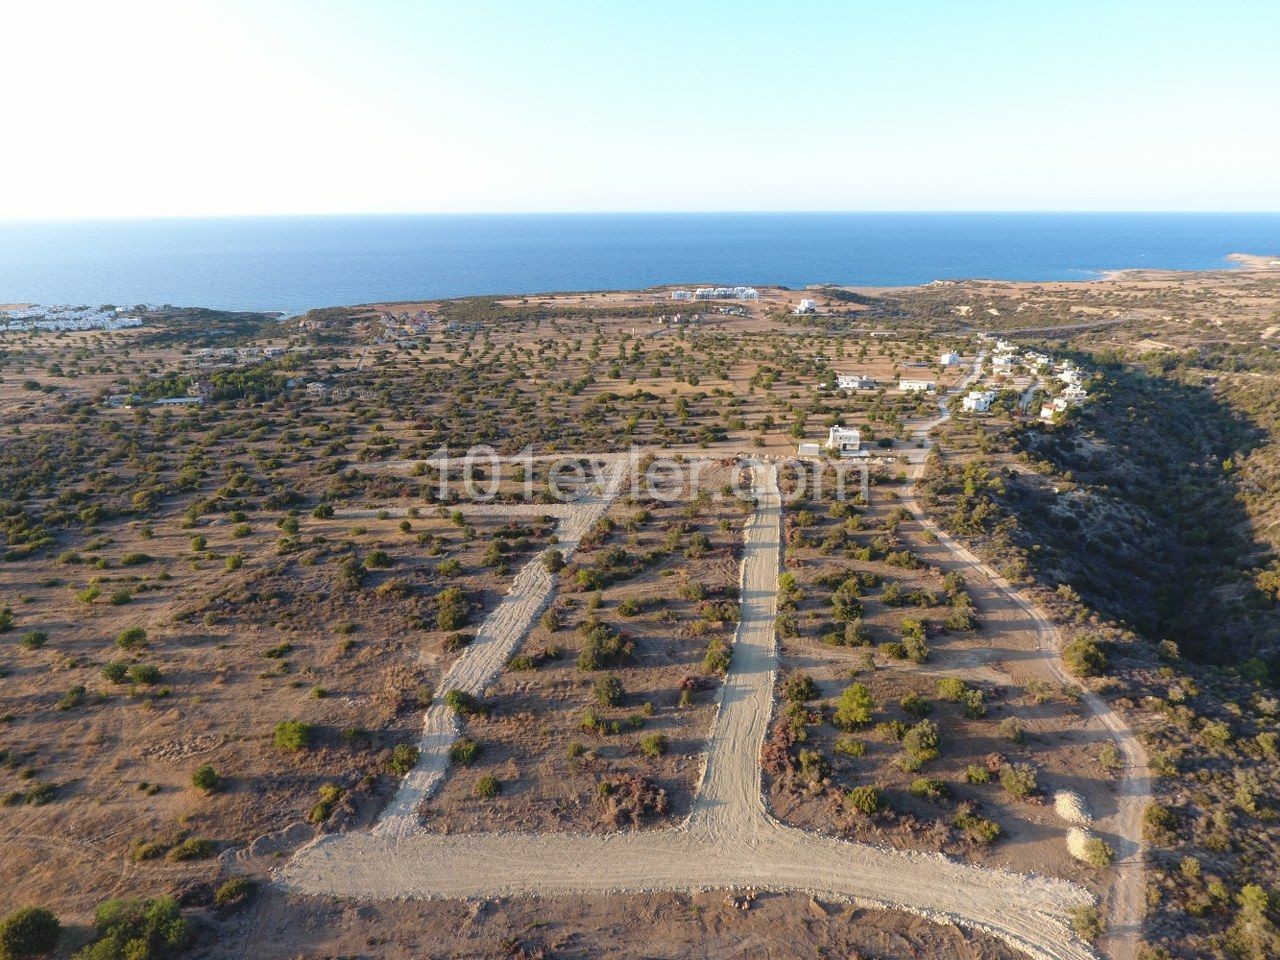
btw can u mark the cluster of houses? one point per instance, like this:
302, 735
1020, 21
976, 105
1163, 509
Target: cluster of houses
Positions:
1005, 357
1073, 392
717, 293
64, 318
677, 319
223, 356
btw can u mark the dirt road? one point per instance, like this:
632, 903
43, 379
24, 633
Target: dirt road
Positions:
728, 840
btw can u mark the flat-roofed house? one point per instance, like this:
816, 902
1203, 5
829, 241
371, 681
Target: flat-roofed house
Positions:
916, 386
845, 441
949, 358
855, 381
978, 401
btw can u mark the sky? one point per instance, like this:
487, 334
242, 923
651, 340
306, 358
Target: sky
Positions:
154, 108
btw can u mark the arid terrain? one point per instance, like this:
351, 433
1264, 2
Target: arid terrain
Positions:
527, 628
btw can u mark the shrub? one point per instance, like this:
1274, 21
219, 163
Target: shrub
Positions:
29, 932
977, 774
1019, 780
452, 609
976, 828
488, 786
404, 757
322, 809
34, 639
1084, 657
865, 799
6, 619
854, 707
233, 891
553, 561
921, 742
718, 657
915, 705
849, 747
293, 735
654, 745
145, 673
929, 789
1159, 825
521, 662
1087, 924
604, 646
194, 848
206, 779
137, 930
608, 691
117, 671
799, 687
464, 751
132, 638
462, 703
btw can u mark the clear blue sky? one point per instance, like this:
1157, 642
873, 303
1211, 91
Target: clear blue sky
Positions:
175, 107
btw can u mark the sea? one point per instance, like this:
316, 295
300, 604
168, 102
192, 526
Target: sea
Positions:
292, 264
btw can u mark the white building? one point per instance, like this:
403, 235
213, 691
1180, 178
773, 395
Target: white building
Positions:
681, 295
978, 401
949, 358
179, 402
807, 306
845, 441
855, 381
726, 293
1003, 363
916, 386
809, 450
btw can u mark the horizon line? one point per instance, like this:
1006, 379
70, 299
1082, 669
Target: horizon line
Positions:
132, 218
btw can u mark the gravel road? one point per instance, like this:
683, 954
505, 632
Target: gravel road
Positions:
728, 840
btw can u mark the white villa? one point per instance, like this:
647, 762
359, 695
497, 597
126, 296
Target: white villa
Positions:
916, 386
681, 295
949, 358
855, 381
978, 401
807, 306
1003, 363
846, 441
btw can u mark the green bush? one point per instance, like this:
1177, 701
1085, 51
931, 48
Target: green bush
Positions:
28, 932
1084, 657
132, 638
608, 691
864, 799
404, 757
145, 673
488, 786
1087, 924
654, 745
330, 794
293, 735
193, 848
462, 703
137, 930
34, 639
854, 707
206, 779
233, 891
1019, 780
798, 687
464, 751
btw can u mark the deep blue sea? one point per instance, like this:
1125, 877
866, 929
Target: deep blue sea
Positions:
293, 263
